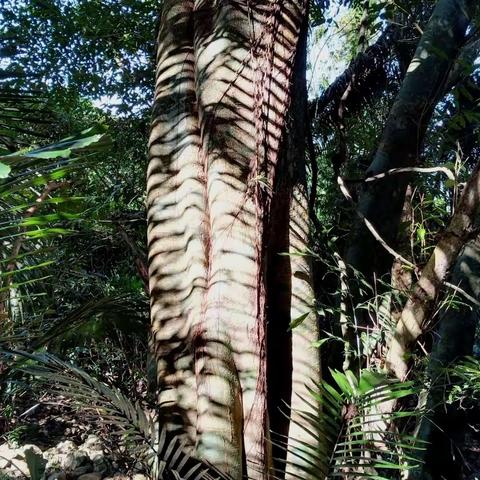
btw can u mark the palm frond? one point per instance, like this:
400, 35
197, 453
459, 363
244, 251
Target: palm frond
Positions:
465, 379
355, 430
122, 313
30, 203
25, 115
161, 452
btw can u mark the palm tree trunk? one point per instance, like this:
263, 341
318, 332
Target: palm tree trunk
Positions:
222, 94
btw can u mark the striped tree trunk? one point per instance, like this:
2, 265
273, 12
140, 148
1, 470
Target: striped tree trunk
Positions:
223, 90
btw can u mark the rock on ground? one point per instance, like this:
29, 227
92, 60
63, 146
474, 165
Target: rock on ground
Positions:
64, 461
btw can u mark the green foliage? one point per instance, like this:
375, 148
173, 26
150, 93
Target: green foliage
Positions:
4, 170
25, 116
76, 43
47, 202
354, 437
36, 464
95, 319
15, 435
36, 183
465, 380
72, 286
149, 443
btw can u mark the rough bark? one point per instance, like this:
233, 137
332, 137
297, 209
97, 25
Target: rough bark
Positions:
424, 294
381, 203
222, 93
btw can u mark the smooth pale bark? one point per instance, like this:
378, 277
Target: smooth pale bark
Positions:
176, 202
400, 144
291, 235
222, 93
424, 294
444, 426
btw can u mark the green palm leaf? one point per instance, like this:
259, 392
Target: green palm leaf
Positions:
355, 430
30, 197
160, 451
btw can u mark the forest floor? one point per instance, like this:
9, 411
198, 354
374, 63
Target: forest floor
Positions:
71, 446
68, 445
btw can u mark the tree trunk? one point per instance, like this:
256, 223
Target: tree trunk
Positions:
424, 294
290, 293
444, 426
222, 94
400, 144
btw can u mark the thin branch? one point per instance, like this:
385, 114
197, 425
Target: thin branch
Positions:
371, 228
139, 257
462, 292
314, 172
394, 171
424, 294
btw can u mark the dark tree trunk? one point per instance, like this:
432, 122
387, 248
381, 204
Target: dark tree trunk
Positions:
445, 425
381, 202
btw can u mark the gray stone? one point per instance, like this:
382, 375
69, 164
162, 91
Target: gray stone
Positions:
74, 460
66, 461
66, 447
92, 443
18, 465
25, 448
77, 472
50, 452
57, 476
5, 475
54, 459
7, 452
91, 476
14, 458
93, 448
100, 464
95, 455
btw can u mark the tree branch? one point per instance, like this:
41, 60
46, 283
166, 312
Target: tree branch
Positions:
371, 228
422, 299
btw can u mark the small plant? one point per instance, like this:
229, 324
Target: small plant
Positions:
15, 435
356, 432
465, 378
